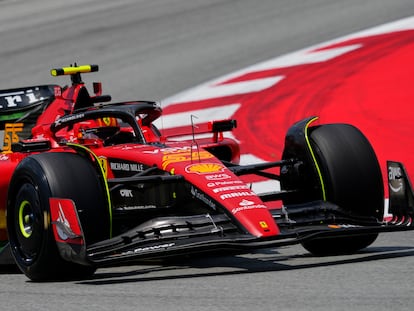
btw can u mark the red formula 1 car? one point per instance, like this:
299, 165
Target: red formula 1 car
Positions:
87, 183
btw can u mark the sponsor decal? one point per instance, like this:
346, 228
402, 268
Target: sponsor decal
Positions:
135, 207
57, 91
18, 98
230, 188
4, 157
247, 205
11, 135
126, 167
70, 118
126, 193
237, 195
202, 197
264, 225
216, 177
223, 183
395, 179
107, 121
185, 156
205, 168
147, 248
103, 162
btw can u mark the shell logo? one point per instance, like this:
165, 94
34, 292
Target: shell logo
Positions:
204, 168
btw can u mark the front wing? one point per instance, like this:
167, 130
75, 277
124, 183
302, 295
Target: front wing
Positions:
174, 236
164, 237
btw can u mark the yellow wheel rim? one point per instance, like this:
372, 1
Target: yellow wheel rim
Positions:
25, 219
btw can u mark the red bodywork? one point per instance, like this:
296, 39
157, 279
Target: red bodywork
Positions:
191, 158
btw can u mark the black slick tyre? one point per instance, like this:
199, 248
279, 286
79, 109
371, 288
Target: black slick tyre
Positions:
352, 179
37, 179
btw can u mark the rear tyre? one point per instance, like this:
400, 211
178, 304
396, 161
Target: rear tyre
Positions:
352, 179
35, 180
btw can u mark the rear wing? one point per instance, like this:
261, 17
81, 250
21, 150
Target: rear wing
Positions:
19, 110
401, 196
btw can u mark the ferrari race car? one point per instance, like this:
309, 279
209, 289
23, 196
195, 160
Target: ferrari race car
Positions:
87, 183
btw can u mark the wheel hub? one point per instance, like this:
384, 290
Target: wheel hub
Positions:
26, 218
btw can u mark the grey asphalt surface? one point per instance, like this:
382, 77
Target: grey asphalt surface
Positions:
152, 50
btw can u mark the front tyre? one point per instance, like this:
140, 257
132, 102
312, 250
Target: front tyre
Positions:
352, 179
35, 180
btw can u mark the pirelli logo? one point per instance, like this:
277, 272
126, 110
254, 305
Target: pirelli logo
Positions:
11, 135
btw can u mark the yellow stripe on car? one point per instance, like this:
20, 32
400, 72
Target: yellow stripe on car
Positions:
314, 158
